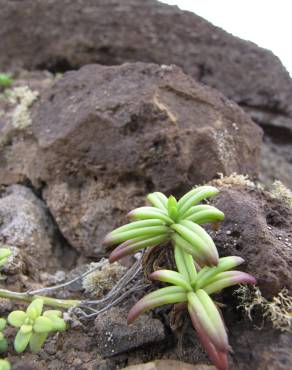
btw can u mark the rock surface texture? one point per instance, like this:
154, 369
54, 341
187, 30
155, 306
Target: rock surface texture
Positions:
102, 137
258, 228
60, 36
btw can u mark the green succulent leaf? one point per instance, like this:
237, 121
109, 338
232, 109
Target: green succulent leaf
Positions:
25, 329
172, 208
171, 277
159, 200
43, 325
21, 341
5, 252
5, 80
34, 310
4, 365
194, 197
58, 324
52, 313
144, 213
3, 345
208, 273
3, 323
36, 341
185, 264
16, 318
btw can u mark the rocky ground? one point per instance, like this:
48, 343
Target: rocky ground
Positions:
105, 108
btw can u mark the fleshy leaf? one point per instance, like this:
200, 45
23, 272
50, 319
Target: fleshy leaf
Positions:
225, 263
185, 263
172, 208
156, 299
36, 341
196, 308
4, 365
171, 277
159, 200
227, 279
34, 310
52, 313
219, 358
135, 245
3, 345
2, 323
112, 239
21, 341
43, 325
25, 329
5, 252
16, 318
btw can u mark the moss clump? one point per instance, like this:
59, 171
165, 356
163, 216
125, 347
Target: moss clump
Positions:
278, 310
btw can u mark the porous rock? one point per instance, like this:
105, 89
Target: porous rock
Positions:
26, 227
103, 137
114, 335
257, 227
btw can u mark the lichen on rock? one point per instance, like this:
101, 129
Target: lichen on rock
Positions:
23, 97
102, 280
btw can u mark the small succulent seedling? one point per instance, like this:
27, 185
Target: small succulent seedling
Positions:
34, 326
170, 220
5, 80
4, 254
194, 289
4, 365
3, 341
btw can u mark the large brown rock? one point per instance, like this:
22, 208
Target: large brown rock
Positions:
102, 137
65, 35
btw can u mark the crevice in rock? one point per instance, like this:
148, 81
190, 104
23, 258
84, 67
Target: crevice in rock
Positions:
57, 65
67, 254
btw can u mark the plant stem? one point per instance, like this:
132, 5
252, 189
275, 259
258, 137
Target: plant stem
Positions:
54, 302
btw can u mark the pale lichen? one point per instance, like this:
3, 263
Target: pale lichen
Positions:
236, 179
278, 310
23, 98
280, 191
104, 278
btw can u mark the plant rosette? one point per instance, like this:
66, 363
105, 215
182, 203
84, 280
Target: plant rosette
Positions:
34, 326
170, 220
194, 289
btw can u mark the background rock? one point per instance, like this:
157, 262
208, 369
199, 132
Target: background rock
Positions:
103, 137
66, 35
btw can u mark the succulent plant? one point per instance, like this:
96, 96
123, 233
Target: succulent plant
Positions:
3, 341
170, 220
34, 326
4, 254
4, 365
194, 289
5, 80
